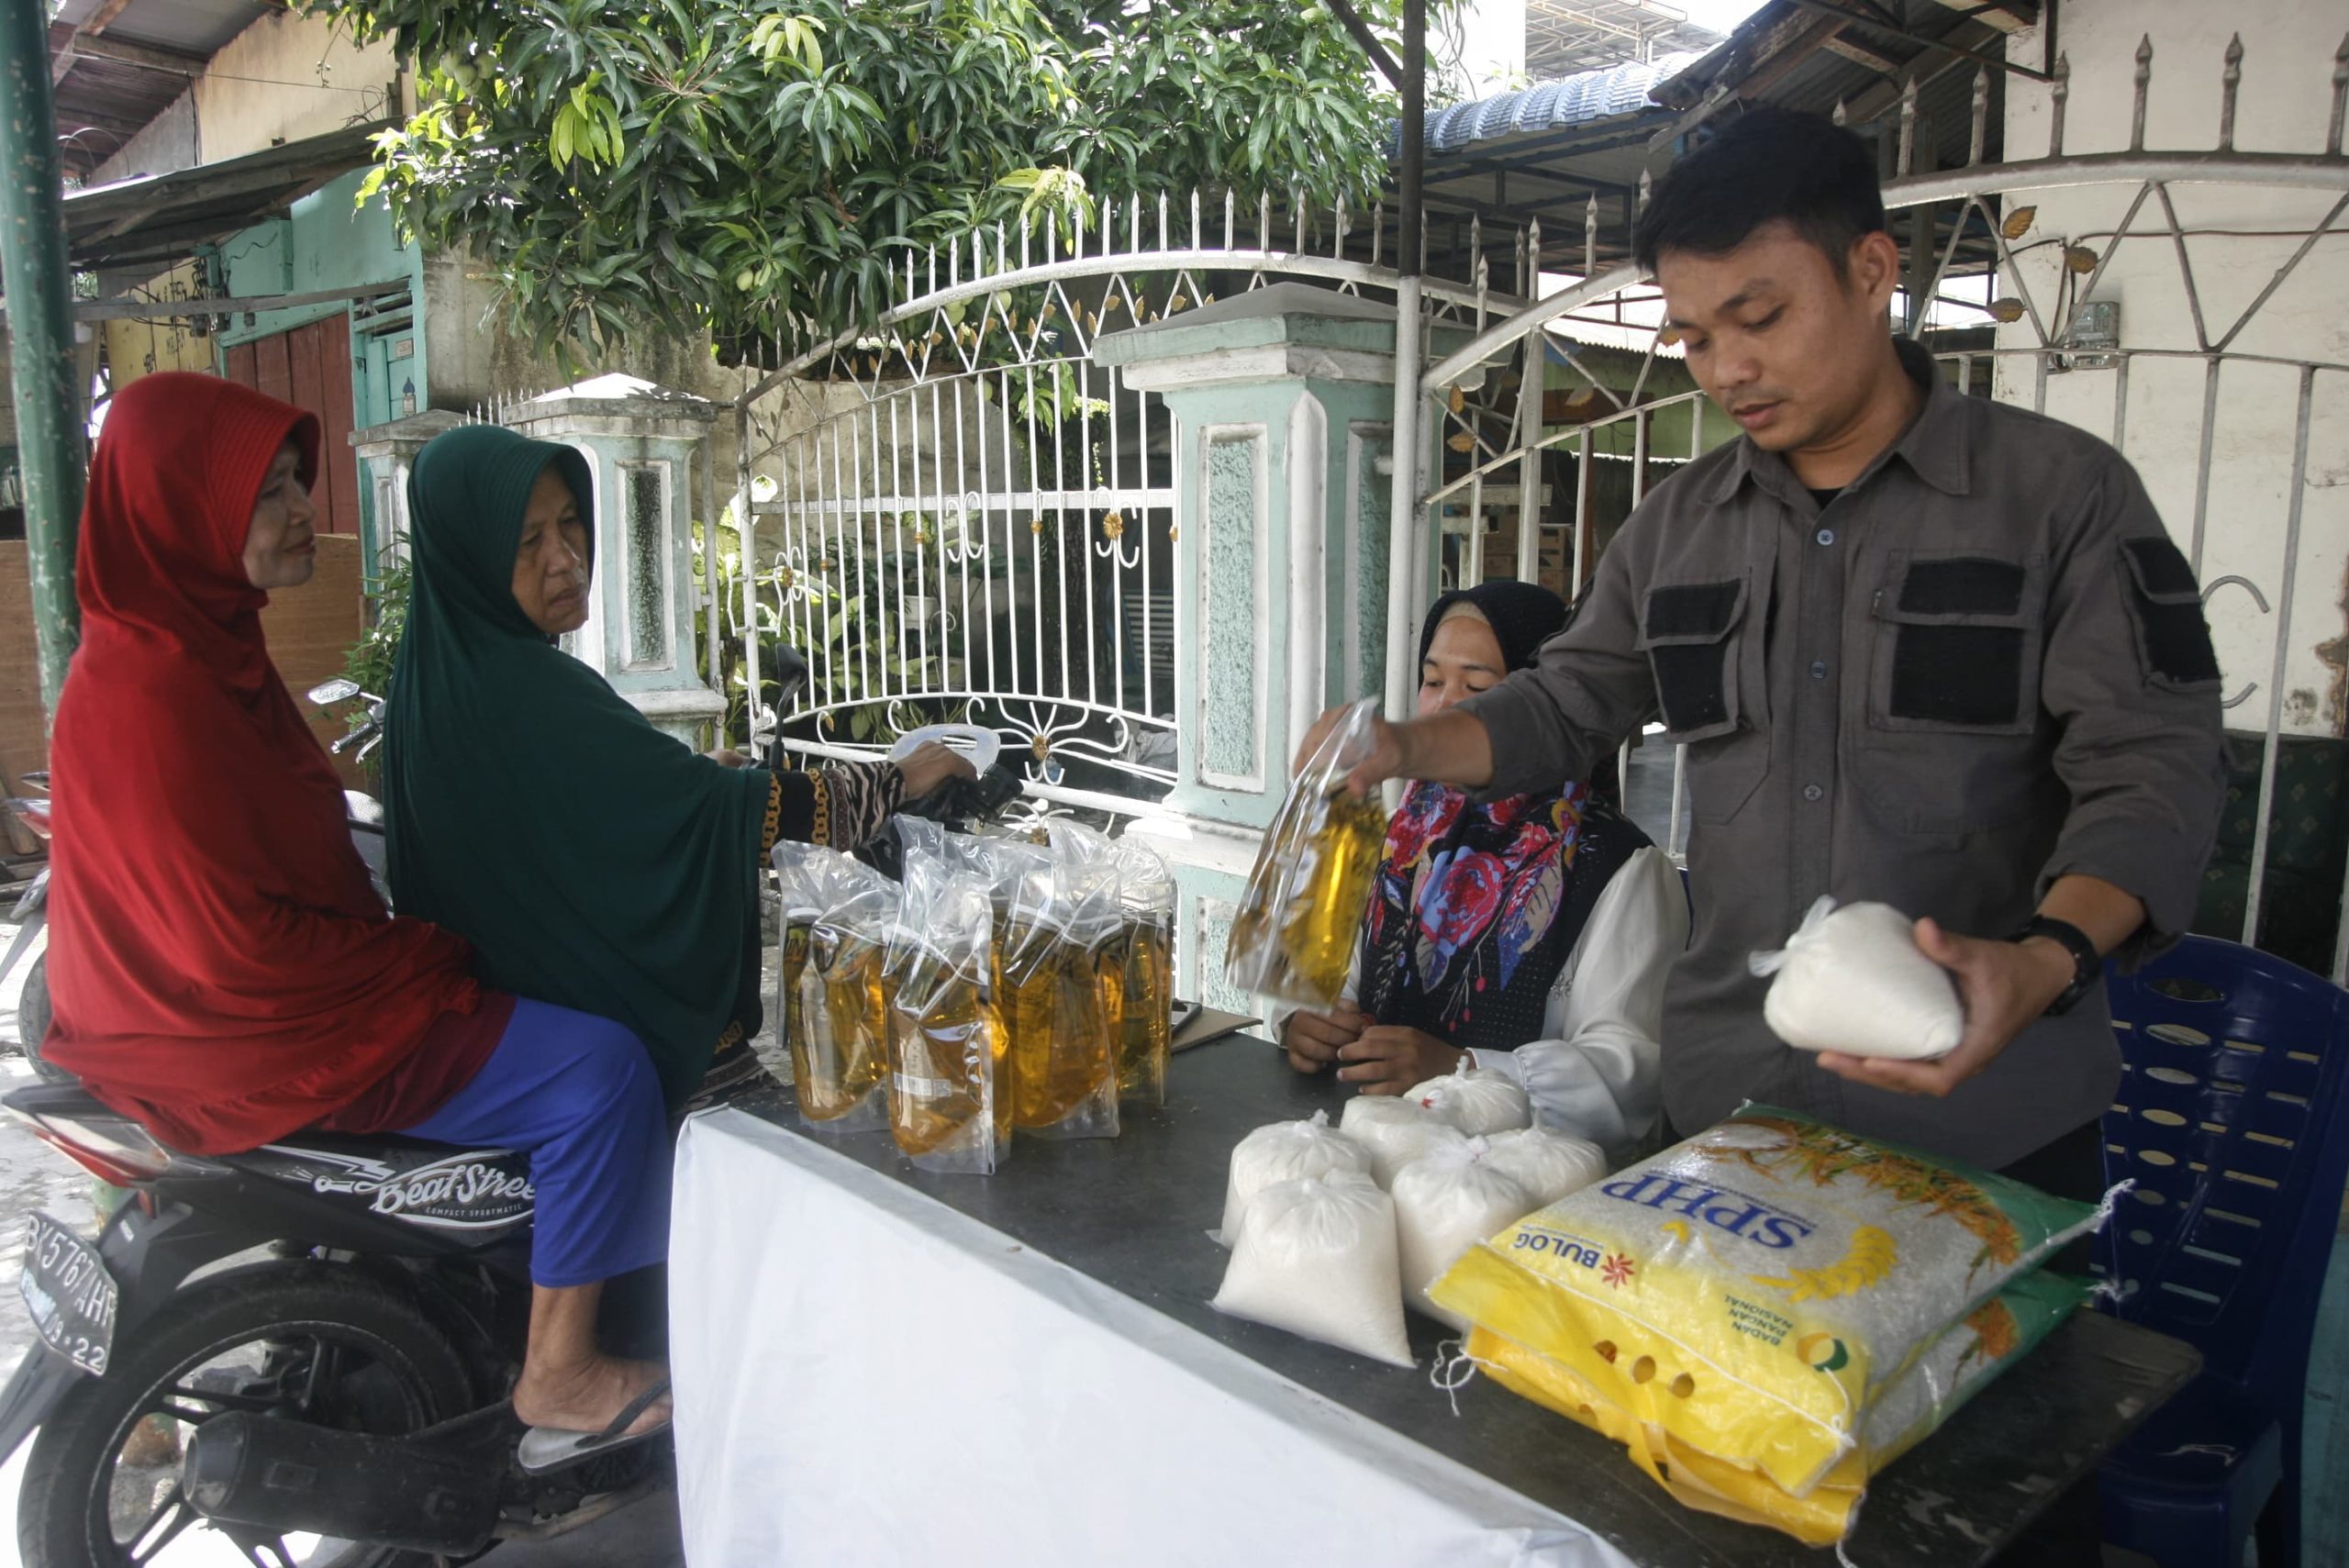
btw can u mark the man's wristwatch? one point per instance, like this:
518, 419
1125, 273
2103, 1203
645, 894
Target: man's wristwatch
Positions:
2087, 965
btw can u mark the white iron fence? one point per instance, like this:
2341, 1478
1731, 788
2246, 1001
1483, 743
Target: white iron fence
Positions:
2007, 283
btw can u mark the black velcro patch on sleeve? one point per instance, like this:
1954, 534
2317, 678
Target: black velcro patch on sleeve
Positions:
1697, 610
2169, 614
2161, 566
1957, 675
1971, 587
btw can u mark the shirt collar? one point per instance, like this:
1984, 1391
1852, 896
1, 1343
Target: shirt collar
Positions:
1937, 445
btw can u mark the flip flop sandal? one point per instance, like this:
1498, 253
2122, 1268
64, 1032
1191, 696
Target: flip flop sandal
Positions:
553, 1448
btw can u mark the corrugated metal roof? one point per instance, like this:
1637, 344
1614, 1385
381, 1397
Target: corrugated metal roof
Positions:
1552, 106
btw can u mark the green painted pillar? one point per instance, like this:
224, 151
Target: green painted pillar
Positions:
52, 445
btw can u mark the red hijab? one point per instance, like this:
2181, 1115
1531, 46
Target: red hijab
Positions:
220, 965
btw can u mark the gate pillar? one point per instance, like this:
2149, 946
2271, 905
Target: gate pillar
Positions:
1283, 402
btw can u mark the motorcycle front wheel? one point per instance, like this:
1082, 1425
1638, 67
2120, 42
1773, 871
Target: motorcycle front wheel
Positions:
305, 1342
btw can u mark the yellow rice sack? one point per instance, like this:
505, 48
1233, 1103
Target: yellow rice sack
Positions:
1749, 1291
1962, 1359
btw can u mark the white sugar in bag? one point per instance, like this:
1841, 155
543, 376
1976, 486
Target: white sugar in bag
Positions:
1446, 1202
1286, 1152
1317, 1257
1394, 1131
1852, 979
1479, 1103
1547, 1164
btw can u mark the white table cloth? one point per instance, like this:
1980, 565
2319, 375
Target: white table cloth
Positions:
865, 1377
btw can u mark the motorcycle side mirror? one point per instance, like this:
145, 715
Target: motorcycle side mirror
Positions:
334, 691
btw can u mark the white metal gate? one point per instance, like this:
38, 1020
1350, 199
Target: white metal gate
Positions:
1997, 264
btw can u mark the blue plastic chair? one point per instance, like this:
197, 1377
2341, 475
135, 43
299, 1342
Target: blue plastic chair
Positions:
2233, 1121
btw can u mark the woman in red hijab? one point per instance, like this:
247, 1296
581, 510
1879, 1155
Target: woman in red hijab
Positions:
220, 965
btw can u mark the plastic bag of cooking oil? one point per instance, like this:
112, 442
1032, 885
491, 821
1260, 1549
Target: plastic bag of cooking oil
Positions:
1853, 980
1294, 936
1959, 1362
1751, 1290
1446, 1202
1144, 947
1063, 978
830, 1014
950, 1089
1477, 1101
1315, 1256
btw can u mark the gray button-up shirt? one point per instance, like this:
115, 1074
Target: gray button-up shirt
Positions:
1982, 666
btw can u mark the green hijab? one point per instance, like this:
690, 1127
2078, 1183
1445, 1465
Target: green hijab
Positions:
592, 861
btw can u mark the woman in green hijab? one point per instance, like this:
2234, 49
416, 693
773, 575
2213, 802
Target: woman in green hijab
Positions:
592, 861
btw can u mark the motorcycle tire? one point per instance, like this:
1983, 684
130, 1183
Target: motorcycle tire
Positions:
33, 1014
68, 1508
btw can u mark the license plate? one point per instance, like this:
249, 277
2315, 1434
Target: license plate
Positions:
69, 1294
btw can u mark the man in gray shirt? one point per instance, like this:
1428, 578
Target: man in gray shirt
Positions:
1922, 648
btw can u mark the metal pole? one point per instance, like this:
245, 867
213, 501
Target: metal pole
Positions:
1407, 514
52, 445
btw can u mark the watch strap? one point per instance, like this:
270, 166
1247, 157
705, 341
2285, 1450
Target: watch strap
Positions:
2087, 965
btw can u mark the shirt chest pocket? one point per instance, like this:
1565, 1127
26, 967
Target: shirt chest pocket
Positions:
1952, 740
1703, 644
1958, 641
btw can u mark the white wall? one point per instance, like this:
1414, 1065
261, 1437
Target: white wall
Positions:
285, 78
2283, 105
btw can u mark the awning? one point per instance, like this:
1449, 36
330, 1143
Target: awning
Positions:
159, 220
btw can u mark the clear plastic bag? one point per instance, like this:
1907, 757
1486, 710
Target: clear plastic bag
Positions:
1315, 1256
832, 1019
950, 1088
1061, 984
1477, 1101
1853, 980
1143, 956
1294, 937
1284, 1152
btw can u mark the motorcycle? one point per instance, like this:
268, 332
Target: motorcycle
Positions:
304, 1349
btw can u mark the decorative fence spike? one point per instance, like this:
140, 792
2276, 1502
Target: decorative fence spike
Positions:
1980, 135
2339, 96
1590, 237
2059, 92
2230, 80
1378, 228
2144, 83
1198, 243
1230, 206
1338, 225
1301, 210
1907, 129
1161, 220
1647, 188
1263, 221
1841, 114
1025, 230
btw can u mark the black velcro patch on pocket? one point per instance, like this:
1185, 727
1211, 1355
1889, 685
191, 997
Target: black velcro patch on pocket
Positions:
1957, 675
1690, 681
1971, 587
1698, 609
2161, 566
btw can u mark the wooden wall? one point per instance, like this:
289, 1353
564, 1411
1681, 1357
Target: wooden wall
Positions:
310, 628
